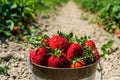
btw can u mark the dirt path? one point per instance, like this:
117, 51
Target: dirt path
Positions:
67, 20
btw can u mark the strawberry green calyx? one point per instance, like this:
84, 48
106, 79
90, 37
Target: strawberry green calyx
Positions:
88, 55
39, 41
57, 53
57, 59
67, 36
77, 62
82, 40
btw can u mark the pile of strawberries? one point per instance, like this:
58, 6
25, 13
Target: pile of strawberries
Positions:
64, 51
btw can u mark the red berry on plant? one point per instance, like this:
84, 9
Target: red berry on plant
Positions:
16, 28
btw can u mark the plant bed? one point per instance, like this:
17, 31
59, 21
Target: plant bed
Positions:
107, 12
18, 17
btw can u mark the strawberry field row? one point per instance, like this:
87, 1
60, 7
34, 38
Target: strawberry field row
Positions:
17, 15
108, 13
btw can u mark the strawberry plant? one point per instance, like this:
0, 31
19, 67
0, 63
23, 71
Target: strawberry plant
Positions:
109, 16
3, 69
63, 50
16, 16
88, 4
107, 49
107, 13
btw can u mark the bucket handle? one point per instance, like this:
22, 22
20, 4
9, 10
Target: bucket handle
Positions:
101, 76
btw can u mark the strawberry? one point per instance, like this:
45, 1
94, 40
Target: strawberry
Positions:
74, 50
96, 54
39, 57
58, 42
90, 43
43, 55
78, 64
16, 28
58, 60
32, 53
46, 41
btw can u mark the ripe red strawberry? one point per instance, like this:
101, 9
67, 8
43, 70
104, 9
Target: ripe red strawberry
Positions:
74, 50
39, 57
32, 53
58, 42
58, 60
78, 64
47, 41
15, 29
90, 43
96, 54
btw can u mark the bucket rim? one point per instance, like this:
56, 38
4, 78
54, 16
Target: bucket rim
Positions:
47, 67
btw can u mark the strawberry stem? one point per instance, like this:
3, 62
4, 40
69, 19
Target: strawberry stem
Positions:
57, 53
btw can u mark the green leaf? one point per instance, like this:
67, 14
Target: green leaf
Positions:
14, 16
10, 24
28, 9
13, 5
7, 33
105, 49
104, 46
119, 53
29, 2
107, 56
70, 35
3, 1
3, 68
110, 43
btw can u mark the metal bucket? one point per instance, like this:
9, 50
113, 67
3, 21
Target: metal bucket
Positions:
48, 73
